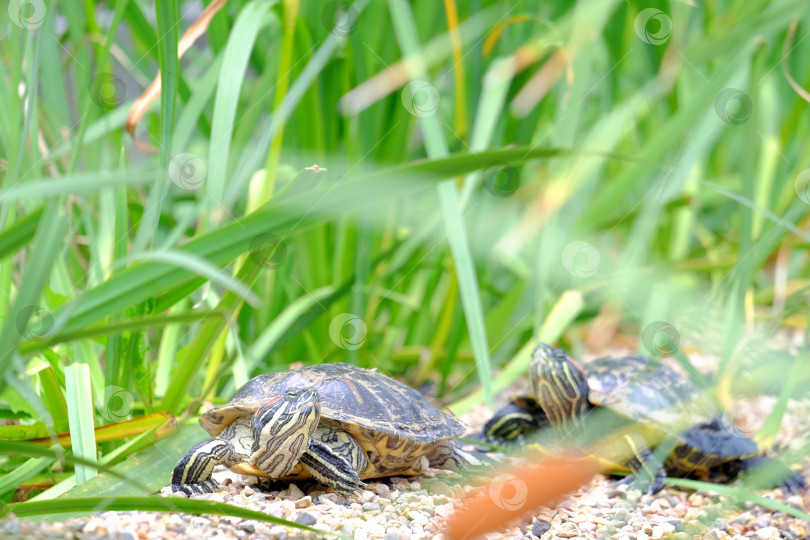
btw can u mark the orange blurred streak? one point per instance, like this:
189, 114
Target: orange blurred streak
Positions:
163, 421
458, 69
491, 507
497, 30
541, 82
141, 104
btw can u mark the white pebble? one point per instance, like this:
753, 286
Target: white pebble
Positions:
295, 492
420, 518
766, 533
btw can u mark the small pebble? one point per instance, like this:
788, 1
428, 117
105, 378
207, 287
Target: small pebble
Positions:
380, 489
294, 492
540, 528
346, 529
767, 533
371, 507
305, 518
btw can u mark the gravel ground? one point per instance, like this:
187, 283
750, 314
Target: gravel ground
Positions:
417, 507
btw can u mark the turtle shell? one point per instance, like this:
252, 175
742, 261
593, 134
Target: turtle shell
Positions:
647, 391
369, 404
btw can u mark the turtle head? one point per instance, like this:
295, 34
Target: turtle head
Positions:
558, 384
282, 428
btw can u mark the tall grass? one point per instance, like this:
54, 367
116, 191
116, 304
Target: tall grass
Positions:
425, 188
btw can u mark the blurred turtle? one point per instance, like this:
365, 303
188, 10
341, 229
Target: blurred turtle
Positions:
650, 401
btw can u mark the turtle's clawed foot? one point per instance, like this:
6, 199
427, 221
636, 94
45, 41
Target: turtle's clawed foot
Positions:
649, 484
208, 486
350, 488
794, 484
766, 472
331, 469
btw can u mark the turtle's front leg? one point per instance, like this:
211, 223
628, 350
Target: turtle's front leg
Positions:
648, 472
193, 473
331, 469
521, 416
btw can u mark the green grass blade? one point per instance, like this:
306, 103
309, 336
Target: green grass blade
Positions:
75, 184
454, 225
250, 21
80, 416
561, 316
148, 504
13, 238
48, 241
10, 448
194, 356
167, 28
143, 281
10, 481
740, 494
200, 267
54, 399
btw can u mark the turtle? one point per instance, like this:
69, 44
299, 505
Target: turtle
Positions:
650, 402
334, 422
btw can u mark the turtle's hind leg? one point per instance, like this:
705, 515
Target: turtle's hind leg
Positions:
648, 471
453, 455
193, 473
331, 469
767, 472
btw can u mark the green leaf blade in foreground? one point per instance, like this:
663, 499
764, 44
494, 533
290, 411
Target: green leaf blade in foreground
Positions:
242, 38
740, 494
19, 233
140, 282
148, 504
167, 25
50, 232
10, 448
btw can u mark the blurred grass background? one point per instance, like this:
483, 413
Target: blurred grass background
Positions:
426, 188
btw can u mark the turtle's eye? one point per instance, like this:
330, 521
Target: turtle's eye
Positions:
292, 395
